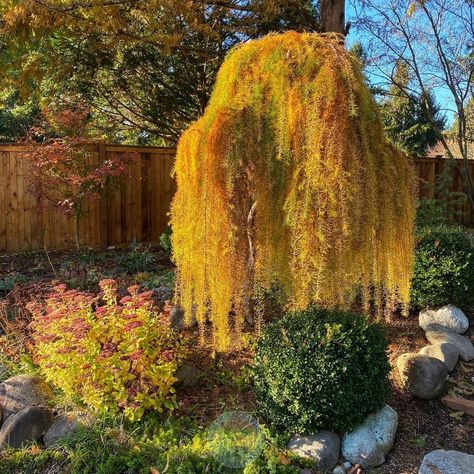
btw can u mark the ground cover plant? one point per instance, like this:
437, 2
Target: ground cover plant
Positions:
295, 183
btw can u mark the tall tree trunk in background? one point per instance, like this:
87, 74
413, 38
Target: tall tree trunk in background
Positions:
332, 16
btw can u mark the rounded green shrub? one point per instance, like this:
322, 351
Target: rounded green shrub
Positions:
444, 267
320, 369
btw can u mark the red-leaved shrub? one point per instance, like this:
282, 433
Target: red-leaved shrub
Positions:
114, 355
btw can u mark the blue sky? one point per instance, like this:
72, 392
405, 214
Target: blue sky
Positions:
441, 94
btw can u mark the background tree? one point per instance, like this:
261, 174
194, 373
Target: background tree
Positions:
434, 40
333, 16
145, 67
16, 115
62, 173
405, 120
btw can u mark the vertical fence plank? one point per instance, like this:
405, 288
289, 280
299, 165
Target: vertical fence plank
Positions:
14, 214
3, 201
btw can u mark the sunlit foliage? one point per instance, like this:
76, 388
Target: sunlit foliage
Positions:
287, 178
145, 67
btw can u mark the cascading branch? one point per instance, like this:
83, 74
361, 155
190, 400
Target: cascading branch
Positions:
287, 178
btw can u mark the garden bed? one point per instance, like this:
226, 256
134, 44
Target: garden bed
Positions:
224, 384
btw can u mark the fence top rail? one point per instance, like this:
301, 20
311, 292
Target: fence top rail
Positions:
160, 150
109, 147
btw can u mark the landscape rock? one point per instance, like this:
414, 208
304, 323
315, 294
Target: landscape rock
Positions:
443, 351
368, 444
64, 425
187, 374
466, 349
22, 391
451, 317
447, 462
459, 404
323, 448
177, 319
438, 328
27, 425
339, 470
423, 376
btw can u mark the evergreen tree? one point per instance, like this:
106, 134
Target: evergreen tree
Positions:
404, 115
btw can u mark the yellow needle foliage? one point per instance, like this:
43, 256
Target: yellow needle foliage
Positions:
292, 132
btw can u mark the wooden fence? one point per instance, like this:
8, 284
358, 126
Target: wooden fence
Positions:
138, 210
427, 169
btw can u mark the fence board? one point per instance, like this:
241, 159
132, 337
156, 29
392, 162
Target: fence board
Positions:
137, 210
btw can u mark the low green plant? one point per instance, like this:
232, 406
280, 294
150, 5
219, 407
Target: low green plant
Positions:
151, 281
137, 259
430, 212
165, 241
444, 267
445, 207
112, 445
81, 275
320, 369
7, 283
113, 355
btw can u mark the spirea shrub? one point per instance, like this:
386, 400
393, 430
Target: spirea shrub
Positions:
444, 267
320, 369
114, 355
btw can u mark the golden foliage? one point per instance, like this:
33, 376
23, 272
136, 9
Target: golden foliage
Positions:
292, 127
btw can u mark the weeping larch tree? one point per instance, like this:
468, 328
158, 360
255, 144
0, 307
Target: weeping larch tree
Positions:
288, 179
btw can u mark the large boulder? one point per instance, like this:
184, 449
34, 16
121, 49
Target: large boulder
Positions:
443, 351
65, 425
451, 317
447, 462
22, 391
369, 443
423, 376
323, 448
27, 425
466, 349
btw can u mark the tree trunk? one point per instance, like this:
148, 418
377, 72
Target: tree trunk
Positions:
332, 16
77, 219
250, 265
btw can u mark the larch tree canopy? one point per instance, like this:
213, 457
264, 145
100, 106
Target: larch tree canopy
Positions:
288, 179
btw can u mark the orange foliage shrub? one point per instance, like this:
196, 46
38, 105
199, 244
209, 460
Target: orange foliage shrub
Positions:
293, 135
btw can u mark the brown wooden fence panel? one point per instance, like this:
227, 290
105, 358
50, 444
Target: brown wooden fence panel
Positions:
427, 169
136, 210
